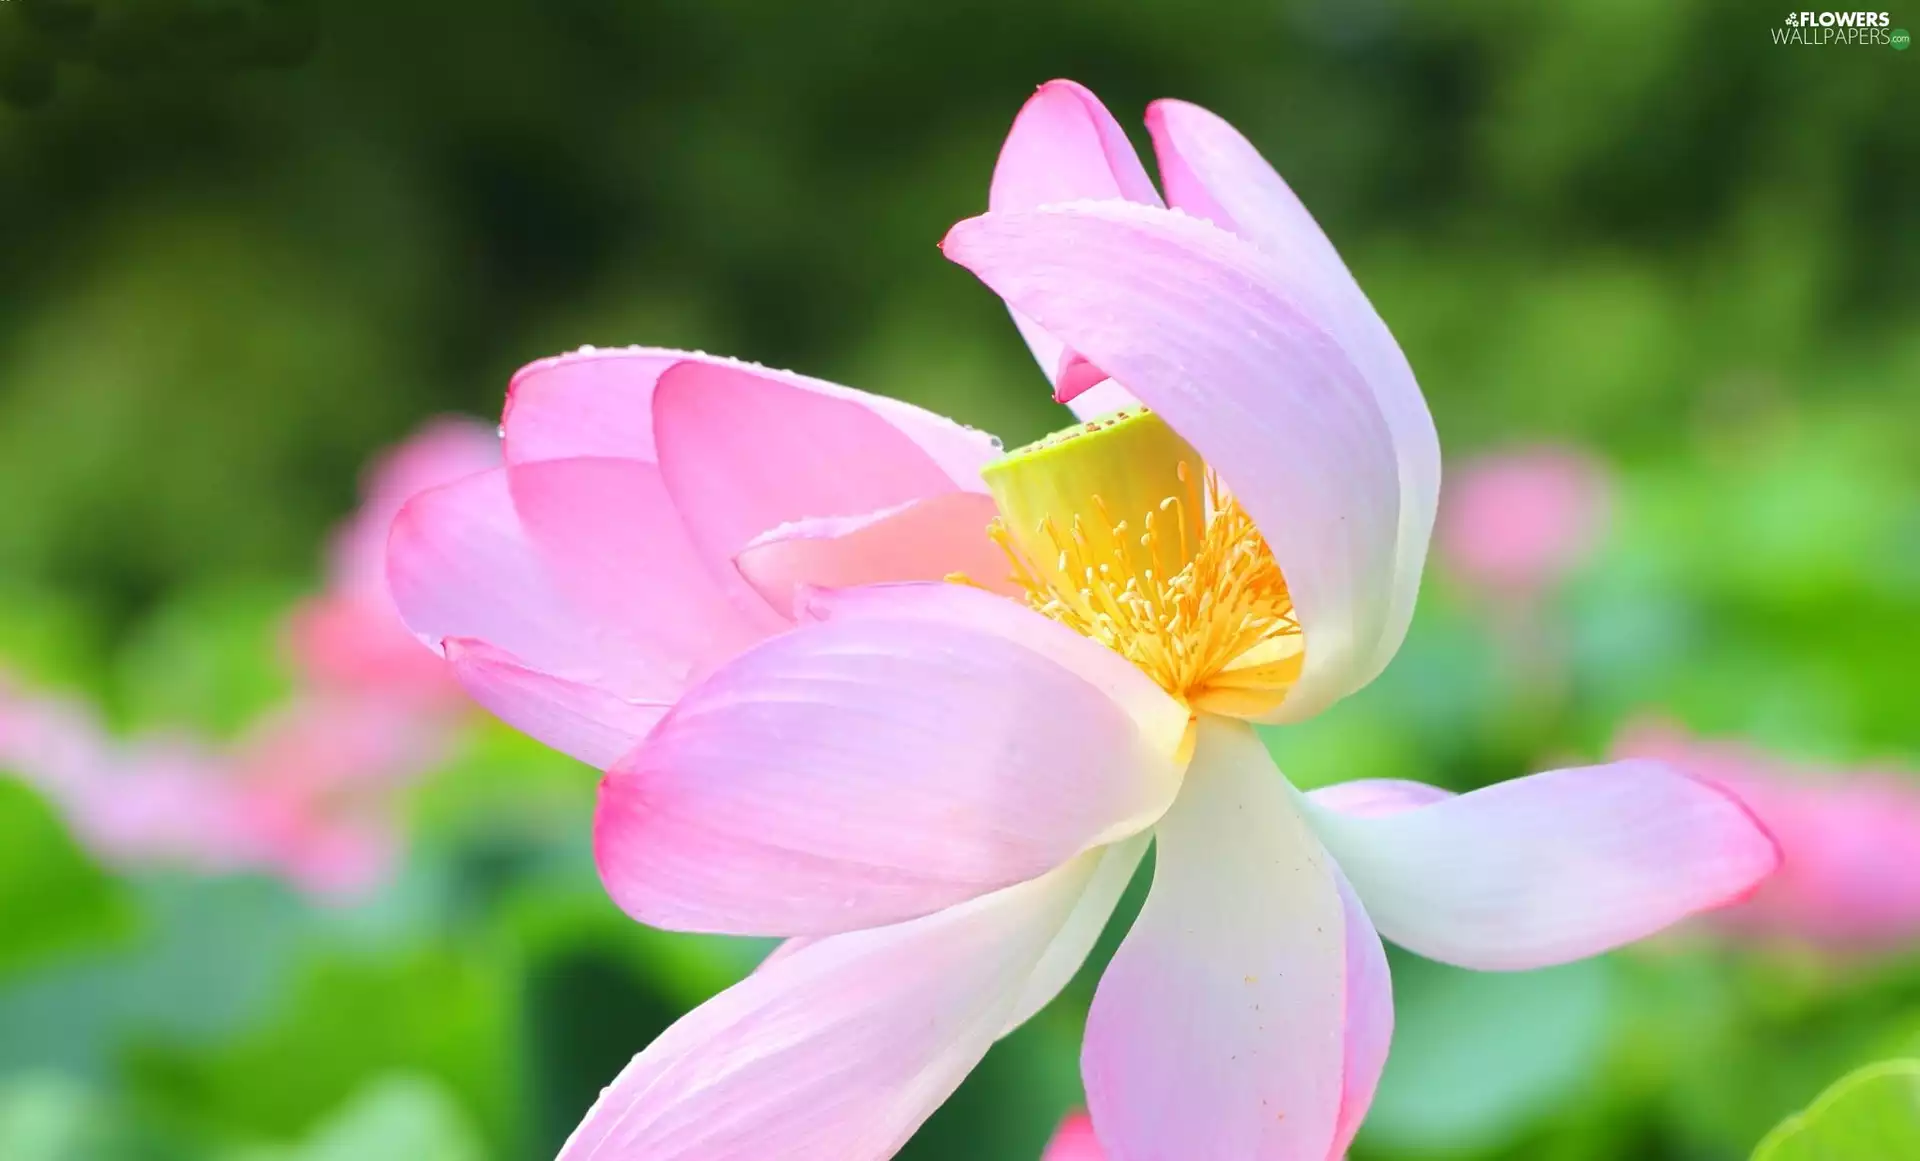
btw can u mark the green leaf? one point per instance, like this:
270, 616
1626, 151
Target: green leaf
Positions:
1478, 1057
46, 1117
437, 1012
400, 1117
54, 897
198, 959
1871, 1114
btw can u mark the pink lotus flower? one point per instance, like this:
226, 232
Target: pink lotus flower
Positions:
1074, 1141
1517, 523
1849, 876
943, 789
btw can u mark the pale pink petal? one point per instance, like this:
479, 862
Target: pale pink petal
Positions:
1065, 147
581, 721
1369, 1008
1074, 1141
591, 402
1367, 797
838, 1051
1519, 522
1077, 377
1069, 950
1161, 719
785, 948
1551, 868
613, 541
926, 539
1216, 336
743, 453
599, 403
1849, 877
1221, 1027
871, 769
464, 564
1097, 397
1213, 172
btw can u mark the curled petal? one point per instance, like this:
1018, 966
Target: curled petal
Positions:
1551, 868
744, 453
599, 403
839, 1050
577, 569
919, 540
1070, 948
1223, 1026
1217, 337
614, 543
870, 768
590, 402
1161, 719
581, 721
1213, 172
1066, 147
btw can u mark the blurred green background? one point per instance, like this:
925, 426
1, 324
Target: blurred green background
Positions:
244, 245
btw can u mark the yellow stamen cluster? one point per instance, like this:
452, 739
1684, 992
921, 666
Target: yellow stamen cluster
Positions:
1218, 632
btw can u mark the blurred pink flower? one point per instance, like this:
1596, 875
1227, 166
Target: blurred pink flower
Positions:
309, 791
350, 638
1849, 877
156, 800
307, 794
314, 787
1517, 523
1074, 1141
943, 791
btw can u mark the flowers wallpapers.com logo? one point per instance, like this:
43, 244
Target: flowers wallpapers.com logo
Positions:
1845, 28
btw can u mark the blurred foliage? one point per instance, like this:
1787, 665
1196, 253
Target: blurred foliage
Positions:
50, 890
1872, 1112
242, 245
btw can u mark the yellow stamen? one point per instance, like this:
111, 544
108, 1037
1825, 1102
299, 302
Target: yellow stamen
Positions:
1115, 529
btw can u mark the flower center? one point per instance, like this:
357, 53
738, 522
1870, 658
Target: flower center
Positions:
1115, 529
